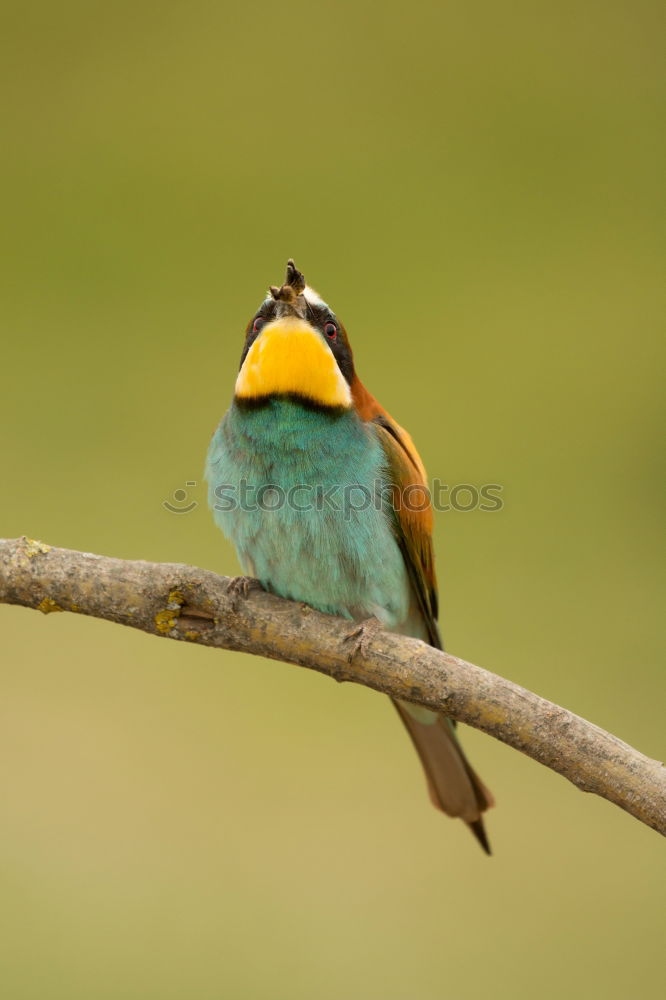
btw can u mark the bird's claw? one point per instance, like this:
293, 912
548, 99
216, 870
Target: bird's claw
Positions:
240, 586
361, 636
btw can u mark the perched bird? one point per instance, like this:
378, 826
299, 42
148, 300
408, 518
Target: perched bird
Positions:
323, 495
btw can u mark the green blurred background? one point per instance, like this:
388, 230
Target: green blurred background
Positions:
476, 190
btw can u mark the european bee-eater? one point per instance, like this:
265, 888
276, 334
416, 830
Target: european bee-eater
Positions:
324, 496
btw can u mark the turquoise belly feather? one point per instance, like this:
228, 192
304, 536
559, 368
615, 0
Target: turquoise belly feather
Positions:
342, 561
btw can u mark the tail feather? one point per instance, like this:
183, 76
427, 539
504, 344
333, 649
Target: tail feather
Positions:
454, 786
479, 831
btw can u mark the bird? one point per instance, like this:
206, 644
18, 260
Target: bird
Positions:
324, 496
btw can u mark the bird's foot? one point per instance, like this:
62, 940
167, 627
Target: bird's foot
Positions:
361, 636
239, 587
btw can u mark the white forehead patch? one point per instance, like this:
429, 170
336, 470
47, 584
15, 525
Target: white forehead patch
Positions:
313, 297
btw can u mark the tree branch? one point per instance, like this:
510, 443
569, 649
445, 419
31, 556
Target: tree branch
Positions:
194, 605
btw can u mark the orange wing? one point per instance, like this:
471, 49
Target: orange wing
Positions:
411, 503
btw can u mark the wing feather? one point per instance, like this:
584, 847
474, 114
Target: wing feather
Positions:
455, 788
411, 505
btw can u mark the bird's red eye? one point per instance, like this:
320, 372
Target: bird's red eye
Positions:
258, 324
331, 331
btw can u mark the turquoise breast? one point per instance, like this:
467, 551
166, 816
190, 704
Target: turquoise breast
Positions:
303, 497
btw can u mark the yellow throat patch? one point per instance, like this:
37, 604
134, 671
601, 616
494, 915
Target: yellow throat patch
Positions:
289, 356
